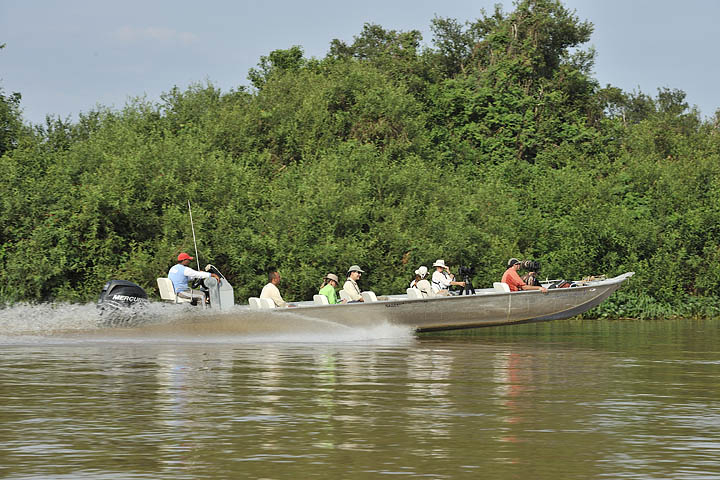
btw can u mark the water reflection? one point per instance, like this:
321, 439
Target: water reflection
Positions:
326, 381
511, 372
428, 374
546, 403
185, 380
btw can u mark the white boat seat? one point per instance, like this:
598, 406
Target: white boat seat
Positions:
167, 292
501, 287
254, 302
266, 303
344, 295
320, 300
369, 296
414, 293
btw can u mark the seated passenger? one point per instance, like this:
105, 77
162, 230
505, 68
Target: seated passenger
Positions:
351, 287
513, 280
271, 290
421, 283
420, 273
442, 279
330, 283
179, 275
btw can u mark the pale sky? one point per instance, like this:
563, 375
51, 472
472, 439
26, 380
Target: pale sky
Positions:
66, 57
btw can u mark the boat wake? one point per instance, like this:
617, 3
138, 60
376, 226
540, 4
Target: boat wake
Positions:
24, 324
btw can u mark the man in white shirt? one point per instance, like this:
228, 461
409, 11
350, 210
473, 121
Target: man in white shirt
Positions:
442, 278
351, 287
271, 290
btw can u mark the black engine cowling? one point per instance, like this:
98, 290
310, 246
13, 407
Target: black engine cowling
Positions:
121, 302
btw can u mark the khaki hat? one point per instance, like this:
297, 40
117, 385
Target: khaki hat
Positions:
439, 263
512, 262
355, 268
332, 276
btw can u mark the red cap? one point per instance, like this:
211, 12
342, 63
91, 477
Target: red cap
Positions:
184, 256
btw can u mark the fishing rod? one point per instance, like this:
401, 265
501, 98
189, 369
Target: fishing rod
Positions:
192, 225
197, 257
208, 268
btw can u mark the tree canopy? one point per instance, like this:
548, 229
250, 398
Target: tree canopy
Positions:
493, 141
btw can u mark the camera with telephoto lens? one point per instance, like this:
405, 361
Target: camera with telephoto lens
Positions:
466, 271
531, 265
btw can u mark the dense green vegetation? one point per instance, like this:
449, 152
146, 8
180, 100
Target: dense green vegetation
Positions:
494, 141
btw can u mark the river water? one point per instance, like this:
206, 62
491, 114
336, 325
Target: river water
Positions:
573, 399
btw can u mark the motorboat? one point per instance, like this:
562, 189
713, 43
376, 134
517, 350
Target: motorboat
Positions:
481, 308
486, 307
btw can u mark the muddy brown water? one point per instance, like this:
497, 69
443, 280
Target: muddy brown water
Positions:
585, 399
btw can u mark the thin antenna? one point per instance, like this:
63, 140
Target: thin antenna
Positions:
197, 257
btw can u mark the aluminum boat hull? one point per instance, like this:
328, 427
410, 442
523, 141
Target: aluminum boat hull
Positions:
484, 309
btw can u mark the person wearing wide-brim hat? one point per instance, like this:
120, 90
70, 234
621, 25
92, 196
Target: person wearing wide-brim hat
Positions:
421, 283
330, 283
351, 287
512, 278
420, 273
442, 279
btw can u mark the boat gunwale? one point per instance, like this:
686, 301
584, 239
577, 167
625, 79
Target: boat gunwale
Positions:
307, 304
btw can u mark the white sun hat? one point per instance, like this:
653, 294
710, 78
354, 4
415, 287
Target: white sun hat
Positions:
439, 263
422, 271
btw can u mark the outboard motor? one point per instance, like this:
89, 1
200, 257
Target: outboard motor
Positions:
121, 303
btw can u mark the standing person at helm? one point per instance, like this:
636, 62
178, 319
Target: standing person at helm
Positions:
351, 287
179, 275
513, 280
442, 278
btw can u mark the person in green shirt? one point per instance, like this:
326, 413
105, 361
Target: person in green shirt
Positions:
330, 283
